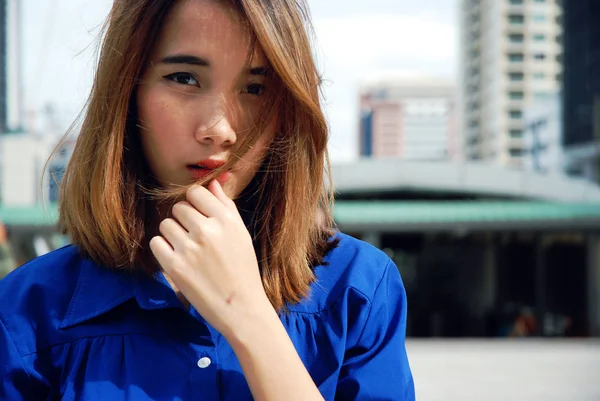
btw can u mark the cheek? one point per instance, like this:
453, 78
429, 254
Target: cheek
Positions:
154, 112
159, 120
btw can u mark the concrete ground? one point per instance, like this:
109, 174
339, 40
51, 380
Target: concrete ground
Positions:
503, 370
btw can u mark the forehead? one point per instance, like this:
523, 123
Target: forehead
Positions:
206, 28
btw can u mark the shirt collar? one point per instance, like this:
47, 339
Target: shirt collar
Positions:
100, 290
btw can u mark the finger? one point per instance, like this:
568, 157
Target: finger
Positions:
173, 233
204, 201
217, 190
189, 218
162, 251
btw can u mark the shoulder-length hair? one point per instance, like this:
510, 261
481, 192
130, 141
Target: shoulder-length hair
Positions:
102, 205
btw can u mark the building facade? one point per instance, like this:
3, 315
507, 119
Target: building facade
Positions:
3, 69
478, 245
581, 101
11, 91
408, 118
510, 57
543, 136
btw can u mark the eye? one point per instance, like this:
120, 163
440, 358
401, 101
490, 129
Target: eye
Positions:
255, 89
182, 78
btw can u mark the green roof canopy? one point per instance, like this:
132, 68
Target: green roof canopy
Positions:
38, 216
418, 216
403, 215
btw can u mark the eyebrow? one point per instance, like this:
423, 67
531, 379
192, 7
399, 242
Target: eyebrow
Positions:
199, 61
258, 71
185, 59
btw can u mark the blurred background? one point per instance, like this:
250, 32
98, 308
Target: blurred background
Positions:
465, 140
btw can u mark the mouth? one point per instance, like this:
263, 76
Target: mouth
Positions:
204, 168
210, 164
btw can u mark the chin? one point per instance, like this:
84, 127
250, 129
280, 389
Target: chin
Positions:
230, 190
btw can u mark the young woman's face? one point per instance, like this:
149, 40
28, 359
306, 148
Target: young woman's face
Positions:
198, 97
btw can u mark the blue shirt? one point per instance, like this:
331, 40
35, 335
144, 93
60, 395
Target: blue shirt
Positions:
72, 330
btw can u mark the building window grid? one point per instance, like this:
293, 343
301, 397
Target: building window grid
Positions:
516, 76
516, 57
516, 133
516, 38
515, 114
539, 18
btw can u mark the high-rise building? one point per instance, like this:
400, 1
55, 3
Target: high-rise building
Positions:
581, 99
11, 103
543, 136
410, 118
510, 57
3, 65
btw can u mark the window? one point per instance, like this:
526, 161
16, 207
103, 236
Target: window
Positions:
516, 2
541, 95
516, 95
515, 57
539, 56
539, 18
516, 19
540, 1
516, 38
539, 37
516, 133
516, 114
539, 75
516, 76
516, 152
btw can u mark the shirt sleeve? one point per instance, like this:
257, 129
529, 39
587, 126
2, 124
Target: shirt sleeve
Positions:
376, 367
14, 379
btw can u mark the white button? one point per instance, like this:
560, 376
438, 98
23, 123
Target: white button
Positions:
204, 362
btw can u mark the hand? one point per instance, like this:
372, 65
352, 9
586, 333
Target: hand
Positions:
208, 254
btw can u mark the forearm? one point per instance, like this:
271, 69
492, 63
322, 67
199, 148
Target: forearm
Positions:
271, 365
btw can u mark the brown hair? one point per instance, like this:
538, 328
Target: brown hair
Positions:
102, 204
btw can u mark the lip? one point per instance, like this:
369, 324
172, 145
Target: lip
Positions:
210, 164
207, 167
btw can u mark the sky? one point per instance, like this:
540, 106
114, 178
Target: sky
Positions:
355, 40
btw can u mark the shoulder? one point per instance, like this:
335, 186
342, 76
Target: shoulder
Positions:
35, 296
357, 263
48, 273
351, 272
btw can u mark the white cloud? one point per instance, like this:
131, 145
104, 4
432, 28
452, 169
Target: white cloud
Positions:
364, 39
59, 39
352, 48
349, 48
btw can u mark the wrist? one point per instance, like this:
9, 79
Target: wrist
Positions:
253, 328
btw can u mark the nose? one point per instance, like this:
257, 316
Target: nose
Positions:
220, 132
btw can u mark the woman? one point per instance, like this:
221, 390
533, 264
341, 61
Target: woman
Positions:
204, 263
